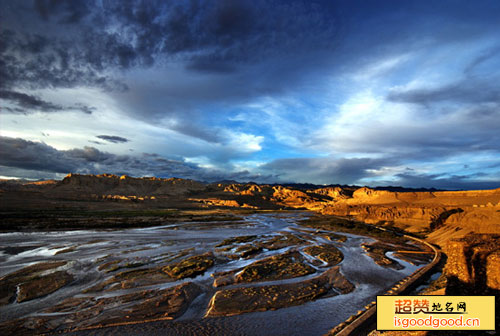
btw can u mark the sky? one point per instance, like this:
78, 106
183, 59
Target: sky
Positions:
364, 92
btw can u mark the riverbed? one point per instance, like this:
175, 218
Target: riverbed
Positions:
94, 257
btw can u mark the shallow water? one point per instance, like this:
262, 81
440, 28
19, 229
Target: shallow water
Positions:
147, 246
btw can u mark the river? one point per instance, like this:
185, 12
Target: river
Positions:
84, 248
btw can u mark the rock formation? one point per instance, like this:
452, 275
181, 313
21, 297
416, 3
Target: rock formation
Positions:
441, 215
473, 265
108, 184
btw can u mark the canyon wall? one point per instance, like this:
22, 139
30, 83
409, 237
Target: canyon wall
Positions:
440, 215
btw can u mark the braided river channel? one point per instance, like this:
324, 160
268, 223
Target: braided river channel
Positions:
165, 280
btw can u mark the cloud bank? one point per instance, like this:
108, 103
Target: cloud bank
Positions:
362, 92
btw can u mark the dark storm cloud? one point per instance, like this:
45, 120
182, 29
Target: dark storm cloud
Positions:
224, 52
30, 155
28, 103
65, 11
91, 155
113, 138
24, 158
208, 35
247, 49
33, 61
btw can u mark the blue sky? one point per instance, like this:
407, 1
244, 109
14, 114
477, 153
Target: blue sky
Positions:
335, 92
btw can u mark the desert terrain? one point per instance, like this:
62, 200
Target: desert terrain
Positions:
103, 251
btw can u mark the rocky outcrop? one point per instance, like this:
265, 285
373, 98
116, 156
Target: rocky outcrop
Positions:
294, 198
458, 252
473, 265
222, 203
493, 270
411, 218
108, 184
279, 195
335, 193
369, 195
447, 214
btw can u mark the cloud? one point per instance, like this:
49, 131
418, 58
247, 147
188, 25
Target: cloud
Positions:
66, 12
16, 173
26, 103
223, 51
31, 61
113, 138
324, 170
377, 85
468, 91
368, 123
376, 172
23, 158
204, 55
482, 60
455, 182
83, 108
30, 155
28, 159
105, 37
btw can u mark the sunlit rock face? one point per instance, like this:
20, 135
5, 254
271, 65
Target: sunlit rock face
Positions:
441, 215
336, 193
